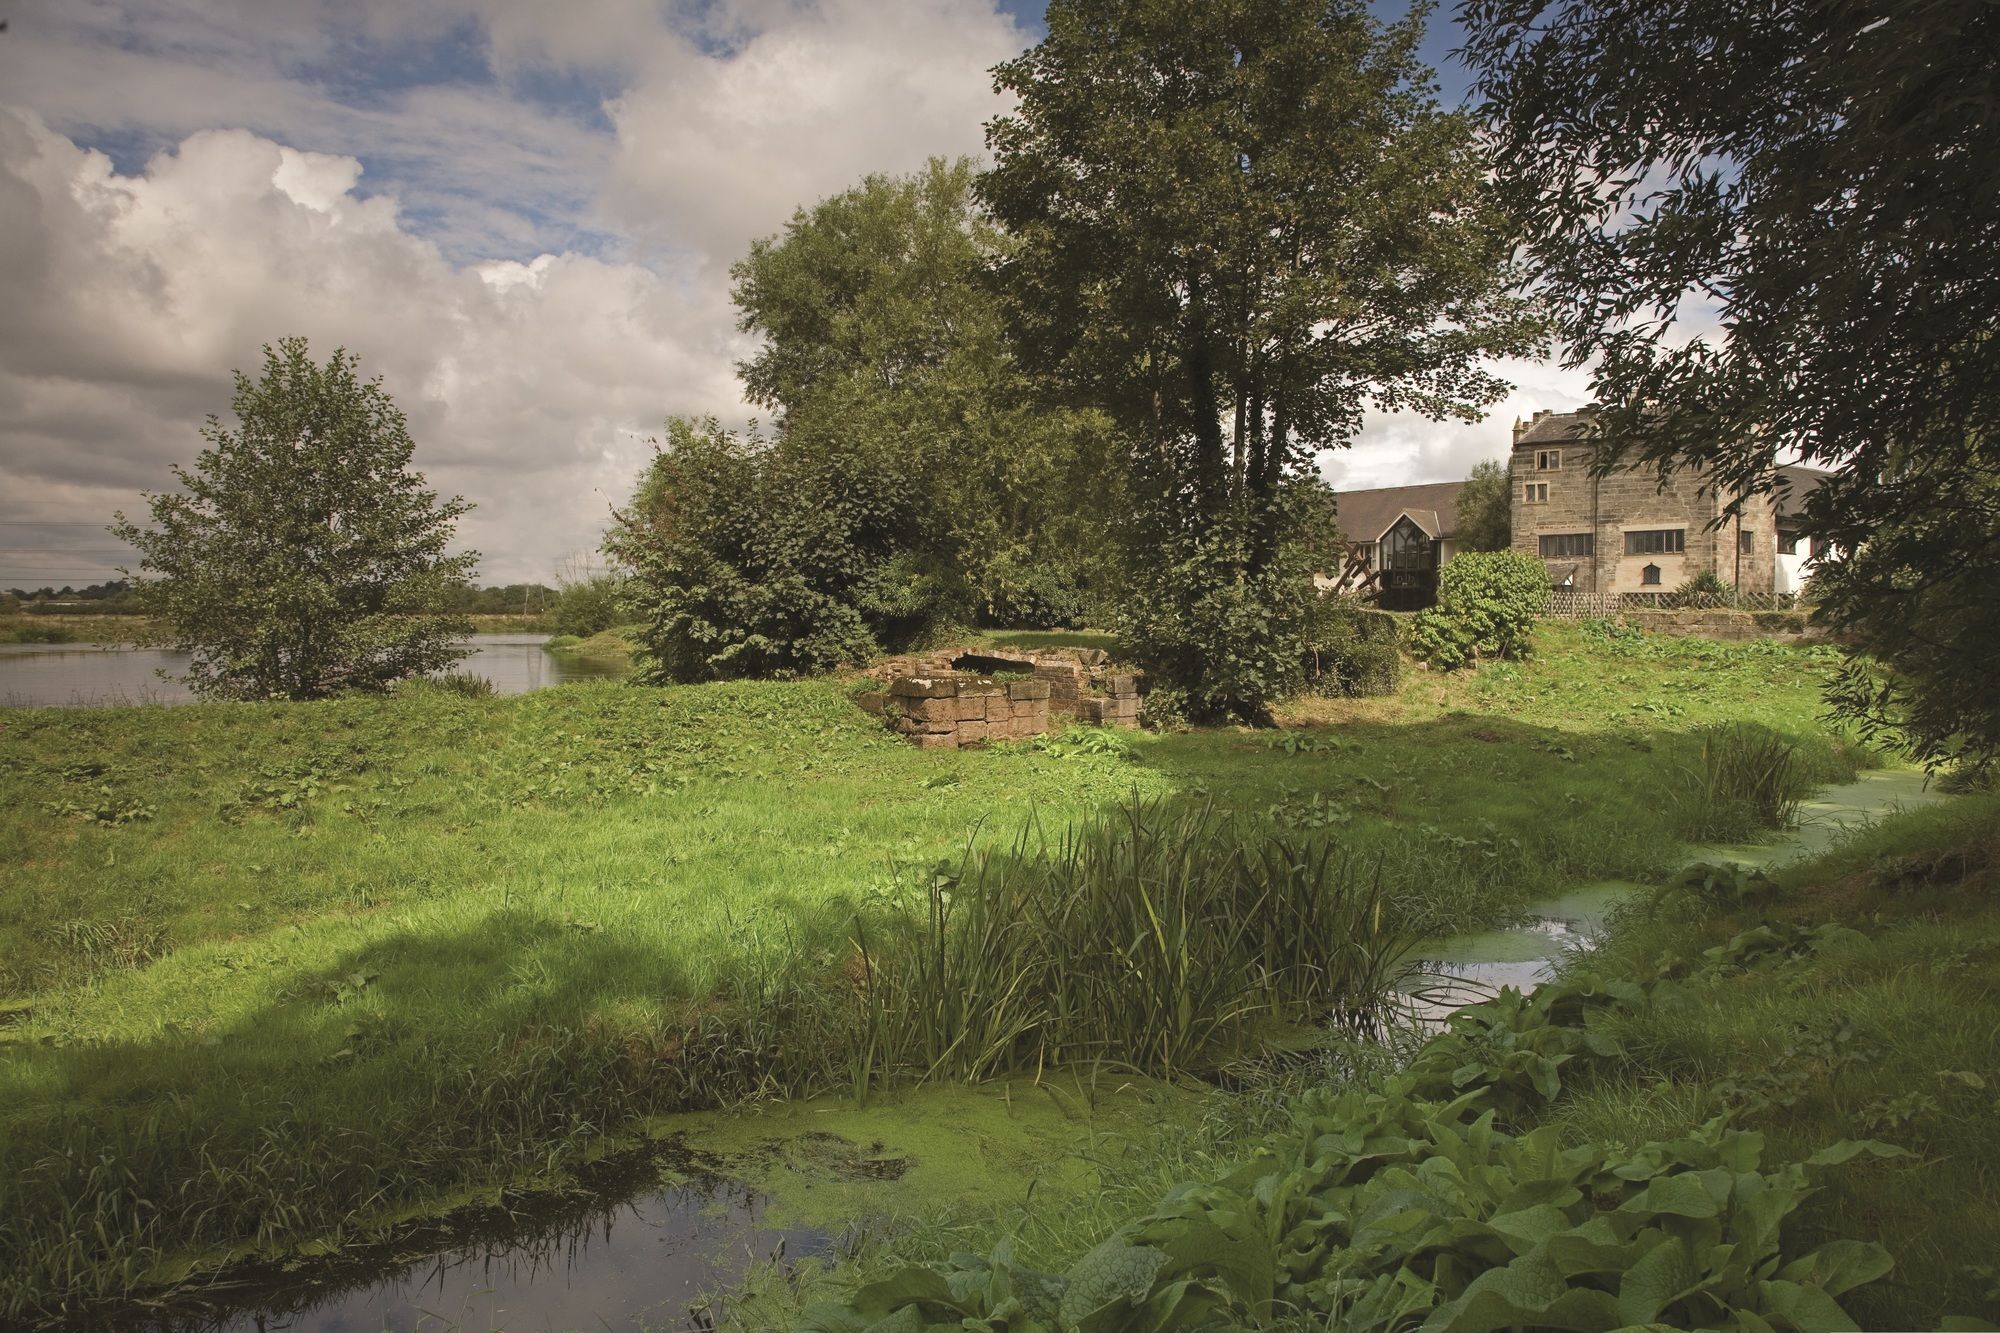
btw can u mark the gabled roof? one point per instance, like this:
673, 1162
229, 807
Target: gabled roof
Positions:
1365, 515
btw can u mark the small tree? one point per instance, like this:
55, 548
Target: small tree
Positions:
302, 557
1485, 509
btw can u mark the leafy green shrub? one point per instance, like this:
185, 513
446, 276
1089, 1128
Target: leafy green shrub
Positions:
1229, 639
1487, 603
1706, 588
1018, 588
749, 559
1352, 650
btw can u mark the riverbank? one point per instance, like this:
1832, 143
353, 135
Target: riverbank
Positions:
1773, 1102
464, 941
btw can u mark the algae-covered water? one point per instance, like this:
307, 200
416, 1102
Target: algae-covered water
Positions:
651, 1235
645, 1240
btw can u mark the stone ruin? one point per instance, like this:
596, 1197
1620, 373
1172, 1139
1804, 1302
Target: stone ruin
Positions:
959, 698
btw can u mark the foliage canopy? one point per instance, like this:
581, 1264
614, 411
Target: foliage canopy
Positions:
302, 557
1823, 179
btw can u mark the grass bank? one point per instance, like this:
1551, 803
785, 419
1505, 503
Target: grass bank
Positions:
463, 940
1766, 1102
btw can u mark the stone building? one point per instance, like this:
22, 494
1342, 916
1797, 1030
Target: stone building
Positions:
1629, 533
1625, 533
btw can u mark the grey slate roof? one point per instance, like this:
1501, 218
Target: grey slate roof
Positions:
1366, 515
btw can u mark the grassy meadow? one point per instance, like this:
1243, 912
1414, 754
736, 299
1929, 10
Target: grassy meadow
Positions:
275, 974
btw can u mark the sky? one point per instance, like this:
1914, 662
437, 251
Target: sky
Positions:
521, 215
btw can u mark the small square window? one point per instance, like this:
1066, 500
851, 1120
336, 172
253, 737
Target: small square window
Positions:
1548, 460
1649, 575
1746, 541
1788, 543
1535, 493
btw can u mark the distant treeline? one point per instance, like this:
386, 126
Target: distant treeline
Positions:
118, 598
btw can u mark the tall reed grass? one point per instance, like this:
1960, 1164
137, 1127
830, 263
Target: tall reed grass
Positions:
1746, 778
1159, 941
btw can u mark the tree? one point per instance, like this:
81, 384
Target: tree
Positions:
747, 560
884, 346
1238, 225
301, 556
1485, 508
1822, 181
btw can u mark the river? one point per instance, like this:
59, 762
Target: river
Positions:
81, 675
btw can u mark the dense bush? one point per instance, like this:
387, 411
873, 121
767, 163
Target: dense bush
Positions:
1487, 604
749, 559
1229, 640
588, 606
1352, 650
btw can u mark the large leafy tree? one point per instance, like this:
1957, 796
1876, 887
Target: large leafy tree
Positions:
884, 351
1812, 189
301, 556
1238, 225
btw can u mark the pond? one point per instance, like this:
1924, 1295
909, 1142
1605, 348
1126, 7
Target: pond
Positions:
79, 675
641, 1244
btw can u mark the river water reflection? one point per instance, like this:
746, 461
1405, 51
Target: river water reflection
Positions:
80, 675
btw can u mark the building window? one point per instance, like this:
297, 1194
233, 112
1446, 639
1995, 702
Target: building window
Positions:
1746, 541
1650, 575
1548, 460
1368, 554
1788, 543
1661, 541
1567, 545
1535, 493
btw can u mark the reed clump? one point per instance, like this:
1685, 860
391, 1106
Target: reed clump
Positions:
1158, 941
1746, 778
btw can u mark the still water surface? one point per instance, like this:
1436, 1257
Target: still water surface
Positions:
81, 675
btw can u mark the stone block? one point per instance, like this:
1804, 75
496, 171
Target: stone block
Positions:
971, 708
924, 687
935, 708
1027, 689
941, 741
973, 733
997, 708
874, 703
1121, 685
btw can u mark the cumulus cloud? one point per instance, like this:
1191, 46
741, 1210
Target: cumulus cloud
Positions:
530, 387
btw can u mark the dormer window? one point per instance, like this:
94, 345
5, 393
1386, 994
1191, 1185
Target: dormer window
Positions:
1548, 460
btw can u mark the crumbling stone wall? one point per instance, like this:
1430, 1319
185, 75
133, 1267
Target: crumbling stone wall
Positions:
948, 699
952, 712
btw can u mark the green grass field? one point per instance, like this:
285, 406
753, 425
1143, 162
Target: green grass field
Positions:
275, 973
